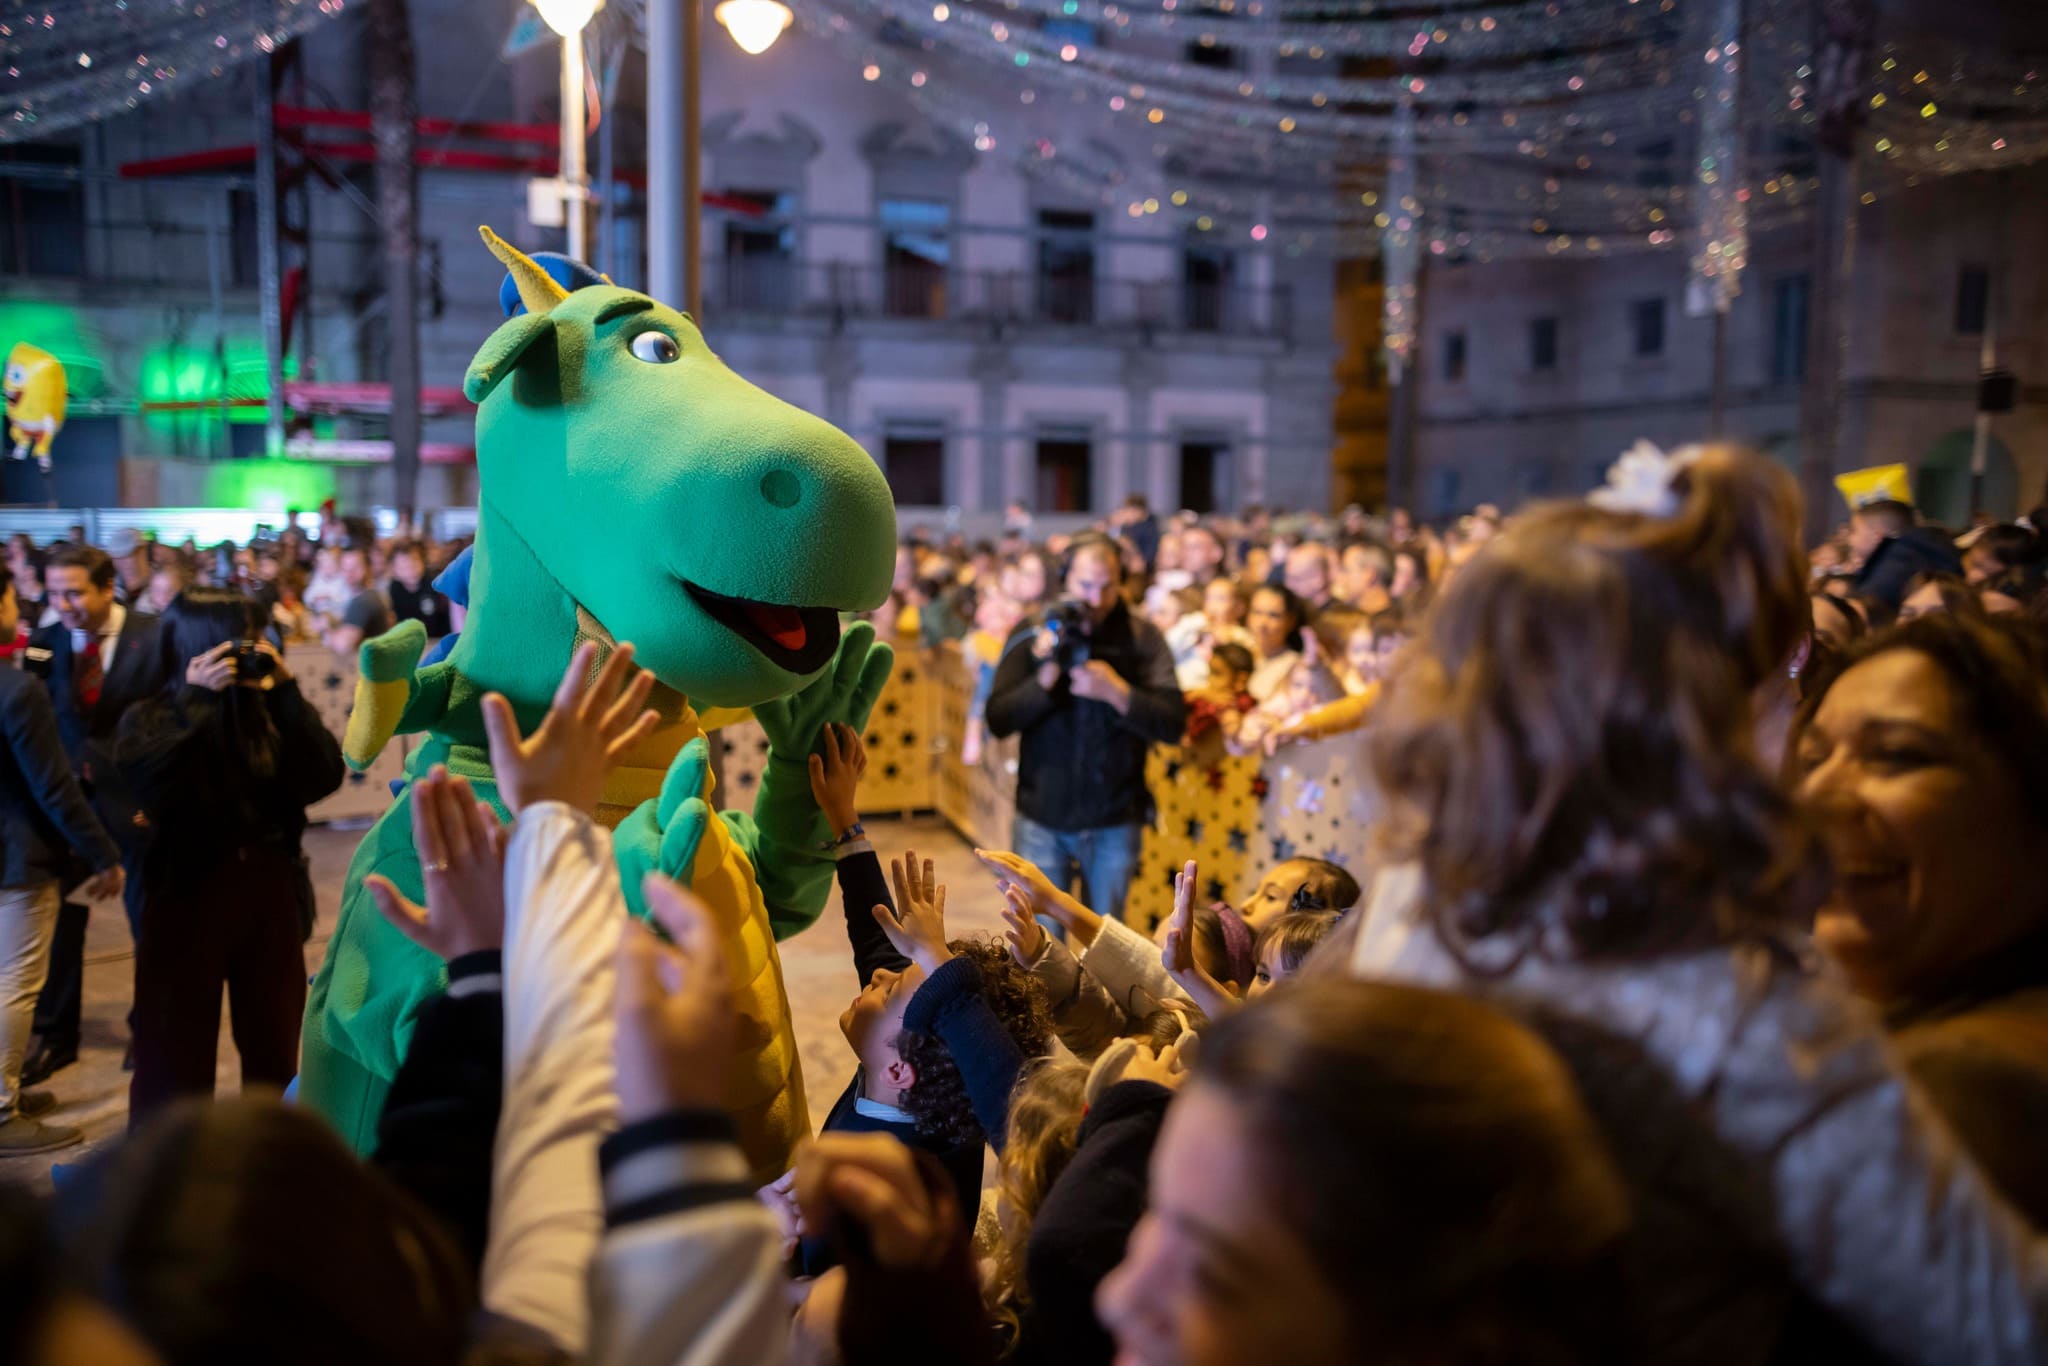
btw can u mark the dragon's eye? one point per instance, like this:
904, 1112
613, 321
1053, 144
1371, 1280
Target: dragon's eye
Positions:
656, 348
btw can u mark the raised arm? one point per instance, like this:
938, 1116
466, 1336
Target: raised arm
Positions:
835, 782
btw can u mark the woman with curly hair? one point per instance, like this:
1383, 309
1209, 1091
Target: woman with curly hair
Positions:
1579, 825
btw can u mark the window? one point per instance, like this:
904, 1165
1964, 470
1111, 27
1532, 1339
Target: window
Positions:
1210, 54
1789, 299
760, 253
245, 256
1647, 319
916, 247
1205, 474
1206, 274
1064, 461
42, 222
1654, 165
1973, 300
1078, 32
914, 459
1543, 344
1066, 265
1454, 357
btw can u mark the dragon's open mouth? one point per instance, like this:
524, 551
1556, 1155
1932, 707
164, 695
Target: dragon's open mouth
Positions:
798, 640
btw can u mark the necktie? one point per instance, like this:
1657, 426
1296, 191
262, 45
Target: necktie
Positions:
90, 675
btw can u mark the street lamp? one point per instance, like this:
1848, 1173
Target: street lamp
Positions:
567, 17
753, 24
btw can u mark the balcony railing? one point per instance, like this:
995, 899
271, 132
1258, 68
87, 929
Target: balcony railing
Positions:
766, 287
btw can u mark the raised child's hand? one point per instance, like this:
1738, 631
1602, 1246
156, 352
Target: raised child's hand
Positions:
836, 773
584, 735
917, 927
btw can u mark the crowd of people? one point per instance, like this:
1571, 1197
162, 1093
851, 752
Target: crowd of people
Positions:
1688, 1002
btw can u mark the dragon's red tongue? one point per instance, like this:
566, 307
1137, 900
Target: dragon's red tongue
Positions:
783, 625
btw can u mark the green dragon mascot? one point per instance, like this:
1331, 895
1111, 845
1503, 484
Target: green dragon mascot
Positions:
633, 488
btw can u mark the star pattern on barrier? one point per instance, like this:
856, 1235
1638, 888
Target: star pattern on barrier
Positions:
1260, 787
1172, 769
1213, 889
1240, 842
1215, 779
1334, 855
1194, 830
1283, 848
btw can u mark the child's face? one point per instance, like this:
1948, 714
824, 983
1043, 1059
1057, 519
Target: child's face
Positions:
1271, 972
1359, 653
1219, 602
1223, 678
874, 1019
1273, 892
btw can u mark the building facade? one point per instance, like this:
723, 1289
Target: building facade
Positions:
988, 335
1534, 375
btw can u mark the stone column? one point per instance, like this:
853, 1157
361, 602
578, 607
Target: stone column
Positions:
987, 480
1137, 468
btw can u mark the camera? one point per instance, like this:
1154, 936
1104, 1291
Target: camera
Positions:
1068, 621
251, 663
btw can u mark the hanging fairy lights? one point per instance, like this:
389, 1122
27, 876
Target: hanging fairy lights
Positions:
66, 62
1720, 221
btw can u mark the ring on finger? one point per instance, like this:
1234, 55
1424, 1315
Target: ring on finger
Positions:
438, 866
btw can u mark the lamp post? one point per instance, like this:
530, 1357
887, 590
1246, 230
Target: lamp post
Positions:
675, 193
568, 17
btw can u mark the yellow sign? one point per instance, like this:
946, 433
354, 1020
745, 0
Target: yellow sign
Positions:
1878, 484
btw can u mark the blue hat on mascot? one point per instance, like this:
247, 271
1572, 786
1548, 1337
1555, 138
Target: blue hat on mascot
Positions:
565, 271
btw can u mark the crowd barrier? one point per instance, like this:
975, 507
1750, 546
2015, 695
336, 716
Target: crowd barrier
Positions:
1235, 817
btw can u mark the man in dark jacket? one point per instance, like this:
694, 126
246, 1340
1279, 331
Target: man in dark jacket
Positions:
1894, 550
1087, 716
97, 659
47, 828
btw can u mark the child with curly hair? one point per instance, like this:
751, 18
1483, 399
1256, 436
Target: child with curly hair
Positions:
941, 1027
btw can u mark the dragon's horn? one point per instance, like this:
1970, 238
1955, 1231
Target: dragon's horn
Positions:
537, 289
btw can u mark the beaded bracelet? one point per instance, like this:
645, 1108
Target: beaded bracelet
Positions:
856, 831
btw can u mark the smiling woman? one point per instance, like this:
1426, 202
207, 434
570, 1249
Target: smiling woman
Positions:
1926, 765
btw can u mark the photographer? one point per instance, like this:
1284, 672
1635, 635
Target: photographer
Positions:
1090, 687
223, 763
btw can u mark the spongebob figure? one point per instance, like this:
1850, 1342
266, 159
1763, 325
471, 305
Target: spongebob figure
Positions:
35, 402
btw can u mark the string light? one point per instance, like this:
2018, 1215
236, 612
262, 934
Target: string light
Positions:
86, 61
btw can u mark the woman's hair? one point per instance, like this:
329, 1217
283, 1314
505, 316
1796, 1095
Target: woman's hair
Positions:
937, 1101
1997, 672
1235, 658
1328, 887
1292, 936
1957, 596
197, 620
1437, 1163
1570, 758
2011, 544
247, 1231
1333, 627
1853, 627
1214, 936
1045, 1124
1291, 606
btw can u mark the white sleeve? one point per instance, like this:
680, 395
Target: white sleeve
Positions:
1129, 967
690, 1273
563, 913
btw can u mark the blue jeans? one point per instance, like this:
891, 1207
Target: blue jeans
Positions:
1103, 858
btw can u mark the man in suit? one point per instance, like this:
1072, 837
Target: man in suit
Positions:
47, 829
97, 659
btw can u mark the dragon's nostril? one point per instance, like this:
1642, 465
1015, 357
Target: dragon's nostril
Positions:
781, 488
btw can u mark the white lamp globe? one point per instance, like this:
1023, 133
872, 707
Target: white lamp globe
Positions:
753, 24
567, 16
